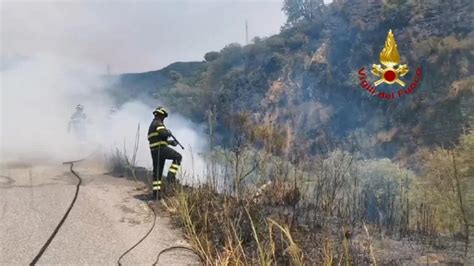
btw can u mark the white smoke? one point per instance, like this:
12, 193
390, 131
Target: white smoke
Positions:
38, 97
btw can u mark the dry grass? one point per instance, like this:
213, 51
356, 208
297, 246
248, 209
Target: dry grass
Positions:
307, 215
225, 231
327, 256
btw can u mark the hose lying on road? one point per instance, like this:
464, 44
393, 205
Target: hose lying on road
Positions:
161, 252
71, 205
9, 180
174, 248
51, 237
139, 241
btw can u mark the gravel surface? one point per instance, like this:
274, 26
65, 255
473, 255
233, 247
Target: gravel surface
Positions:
106, 220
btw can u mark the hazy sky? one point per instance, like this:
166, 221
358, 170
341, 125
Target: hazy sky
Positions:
132, 36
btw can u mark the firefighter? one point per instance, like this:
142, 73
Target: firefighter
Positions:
78, 123
112, 113
158, 136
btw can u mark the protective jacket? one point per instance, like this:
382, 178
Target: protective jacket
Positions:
77, 124
158, 134
160, 152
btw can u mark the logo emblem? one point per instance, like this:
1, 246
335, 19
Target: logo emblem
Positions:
389, 71
390, 58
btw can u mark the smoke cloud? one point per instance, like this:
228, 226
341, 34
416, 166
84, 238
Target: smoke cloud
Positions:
38, 97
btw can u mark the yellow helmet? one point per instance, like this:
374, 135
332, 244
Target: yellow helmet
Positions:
160, 111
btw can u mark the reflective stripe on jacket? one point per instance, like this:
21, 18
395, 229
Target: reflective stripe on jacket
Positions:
157, 134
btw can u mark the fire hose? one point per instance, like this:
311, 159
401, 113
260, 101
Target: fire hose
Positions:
161, 252
51, 237
71, 205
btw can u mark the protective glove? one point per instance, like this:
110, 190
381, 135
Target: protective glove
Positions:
172, 142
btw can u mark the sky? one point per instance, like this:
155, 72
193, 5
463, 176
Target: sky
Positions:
132, 36
53, 53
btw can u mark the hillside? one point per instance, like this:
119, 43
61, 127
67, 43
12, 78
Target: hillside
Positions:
298, 147
302, 84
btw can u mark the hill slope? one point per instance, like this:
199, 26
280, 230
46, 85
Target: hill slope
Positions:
302, 84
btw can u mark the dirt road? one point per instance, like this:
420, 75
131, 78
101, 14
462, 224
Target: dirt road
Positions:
107, 219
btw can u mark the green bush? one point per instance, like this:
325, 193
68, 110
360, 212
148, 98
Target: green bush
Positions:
211, 56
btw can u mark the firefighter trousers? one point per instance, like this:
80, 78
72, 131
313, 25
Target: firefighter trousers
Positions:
159, 156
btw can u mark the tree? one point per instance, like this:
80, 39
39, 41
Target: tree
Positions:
446, 185
211, 56
296, 10
174, 75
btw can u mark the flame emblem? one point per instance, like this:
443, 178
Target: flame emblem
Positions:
390, 58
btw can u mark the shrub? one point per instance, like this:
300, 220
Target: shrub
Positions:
174, 75
211, 56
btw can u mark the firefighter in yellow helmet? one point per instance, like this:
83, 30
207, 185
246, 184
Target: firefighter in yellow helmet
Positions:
158, 136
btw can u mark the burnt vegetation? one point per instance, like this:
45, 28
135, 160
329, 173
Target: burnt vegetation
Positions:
304, 167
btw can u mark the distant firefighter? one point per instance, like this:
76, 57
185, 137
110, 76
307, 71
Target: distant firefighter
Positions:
158, 136
112, 113
77, 123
